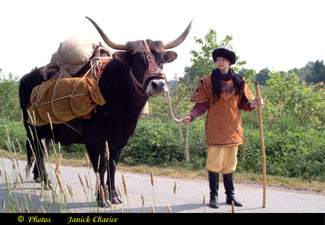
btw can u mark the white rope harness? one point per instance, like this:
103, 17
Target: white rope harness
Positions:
187, 152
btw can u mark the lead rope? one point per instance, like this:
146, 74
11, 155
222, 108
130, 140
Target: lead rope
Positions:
187, 152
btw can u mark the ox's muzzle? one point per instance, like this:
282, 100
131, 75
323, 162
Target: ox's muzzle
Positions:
156, 87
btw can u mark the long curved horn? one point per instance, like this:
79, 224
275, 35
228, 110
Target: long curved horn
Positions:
106, 39
180, 39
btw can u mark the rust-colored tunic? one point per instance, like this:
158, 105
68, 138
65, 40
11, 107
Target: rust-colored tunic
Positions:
223, 122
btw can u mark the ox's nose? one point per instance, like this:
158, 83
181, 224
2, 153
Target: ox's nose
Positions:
156, 87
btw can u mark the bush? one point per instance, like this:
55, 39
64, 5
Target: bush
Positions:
160, 143
12, 132
291, 153
154, 143
9, 99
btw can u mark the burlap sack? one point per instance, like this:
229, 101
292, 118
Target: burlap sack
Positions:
73, 54
63, 100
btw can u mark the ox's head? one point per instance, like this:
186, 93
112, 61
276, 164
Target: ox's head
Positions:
145, 60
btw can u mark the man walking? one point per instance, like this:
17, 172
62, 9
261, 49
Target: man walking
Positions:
222, 94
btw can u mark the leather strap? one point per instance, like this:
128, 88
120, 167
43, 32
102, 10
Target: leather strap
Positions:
152, 71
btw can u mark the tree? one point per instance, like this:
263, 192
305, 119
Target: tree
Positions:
316, 71
263, 76
287, 98
9, 101
202, 62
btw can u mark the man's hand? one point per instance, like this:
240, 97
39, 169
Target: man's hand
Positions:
257, 102
186, 119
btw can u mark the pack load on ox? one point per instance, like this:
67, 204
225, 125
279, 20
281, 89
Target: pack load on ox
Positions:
72, 91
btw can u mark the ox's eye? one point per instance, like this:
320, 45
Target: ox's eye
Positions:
140, 60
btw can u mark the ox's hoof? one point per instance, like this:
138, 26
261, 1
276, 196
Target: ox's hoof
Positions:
47, 186
103, 203
37, 179
116, 200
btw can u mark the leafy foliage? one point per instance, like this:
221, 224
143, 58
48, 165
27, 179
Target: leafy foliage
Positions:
9, 100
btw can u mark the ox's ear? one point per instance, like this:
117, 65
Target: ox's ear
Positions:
121, 56
169, 56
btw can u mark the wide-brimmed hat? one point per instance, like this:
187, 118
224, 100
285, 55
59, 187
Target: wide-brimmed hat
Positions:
225, 53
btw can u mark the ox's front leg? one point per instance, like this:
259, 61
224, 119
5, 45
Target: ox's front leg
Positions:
96, 151
114, 197
40, 173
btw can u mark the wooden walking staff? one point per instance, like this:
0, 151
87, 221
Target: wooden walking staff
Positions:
258, 94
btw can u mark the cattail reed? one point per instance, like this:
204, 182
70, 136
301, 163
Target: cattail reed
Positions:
106, 150
30, 117
232, 207
169, 209
45, 148
87, 160
175, 188
142, 199
42, 193
125, 186
153, 210
97, 183
29, 196
53, 197
119, 190
80, 179
16, 183
3, 203
87, 182
204, 202
21, 187
31, 133
34, 118
20, 151
0, 172
153, 189
98, 163
58, 163
152, 178
21, 177
61, 186
59, 182
51, 125
27, 172
42, 209
106, 190
103, 195
70, 190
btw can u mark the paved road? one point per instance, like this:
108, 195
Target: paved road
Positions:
188, 197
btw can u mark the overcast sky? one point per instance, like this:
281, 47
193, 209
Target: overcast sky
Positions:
278, 34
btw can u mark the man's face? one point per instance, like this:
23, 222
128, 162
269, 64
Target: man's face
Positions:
222, 63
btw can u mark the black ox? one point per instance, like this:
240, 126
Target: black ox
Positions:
127, 81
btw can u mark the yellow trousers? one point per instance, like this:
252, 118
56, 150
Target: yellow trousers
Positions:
222, 159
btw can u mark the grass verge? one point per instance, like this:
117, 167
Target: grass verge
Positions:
189, 173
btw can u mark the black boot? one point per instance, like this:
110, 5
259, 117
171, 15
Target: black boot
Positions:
214, 187
228, 181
